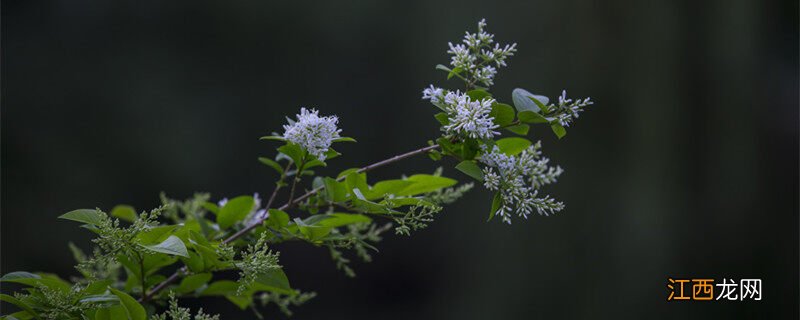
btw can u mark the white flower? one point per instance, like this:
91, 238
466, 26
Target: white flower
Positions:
567, 110
469, 118
518, 179
473, 57
433, 94
312, 132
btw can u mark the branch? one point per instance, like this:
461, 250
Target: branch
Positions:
287, 205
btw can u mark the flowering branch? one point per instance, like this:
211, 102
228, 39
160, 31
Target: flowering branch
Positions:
338, 212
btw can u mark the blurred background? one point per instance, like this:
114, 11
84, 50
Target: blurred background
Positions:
686, 166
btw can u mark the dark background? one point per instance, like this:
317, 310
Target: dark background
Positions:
687, 166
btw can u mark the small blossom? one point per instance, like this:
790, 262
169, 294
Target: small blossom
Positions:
474, 56
567, 110
433, 94
518, 179
469, 118
313, 133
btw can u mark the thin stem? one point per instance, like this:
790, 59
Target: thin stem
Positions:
278, 185
287, 205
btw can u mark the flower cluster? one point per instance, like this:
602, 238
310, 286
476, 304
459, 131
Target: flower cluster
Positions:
518, 179
312, 132
476, 55
568, 110
466, 117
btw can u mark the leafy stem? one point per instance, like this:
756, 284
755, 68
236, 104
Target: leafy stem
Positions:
172, 278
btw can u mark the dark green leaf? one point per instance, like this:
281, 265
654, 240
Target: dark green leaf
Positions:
520, 129
496, 203
19, 303
277, 218
559, 130
335, 191
88, 216
278, 138
502, 113
193, 282
344, 139
513, 146
235, 210
272, 164
470, 168
424, 183
385, 187
335, 220
133, 309
531, 117
274, 280
293, 151
478, 94
155, 234
312, 232
124, 212
442, 118
172, 246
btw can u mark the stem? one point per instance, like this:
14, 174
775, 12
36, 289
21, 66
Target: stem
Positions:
141, 274
278, 186
287, 205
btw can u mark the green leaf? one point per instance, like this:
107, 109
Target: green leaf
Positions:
210, 206
312, 232
35, 280
335, 190
502, 113
385, 187
234, 210
356, 180
424, 183
559, 130
520, 129
470, 168
344, 139
478, 94
277, 218
531, 117
524, 100
133, 309
272, 164
193, 282
442, 118
456, 71
274, 280
496, 203
335, 220
293, 151
95, 298
124, 212
89, 216
442, 67
172, 246
155, 234
277, 138
112, 313
19, 303
220, 288
513, 146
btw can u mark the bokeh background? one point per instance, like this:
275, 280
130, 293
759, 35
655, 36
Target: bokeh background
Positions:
687, 166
